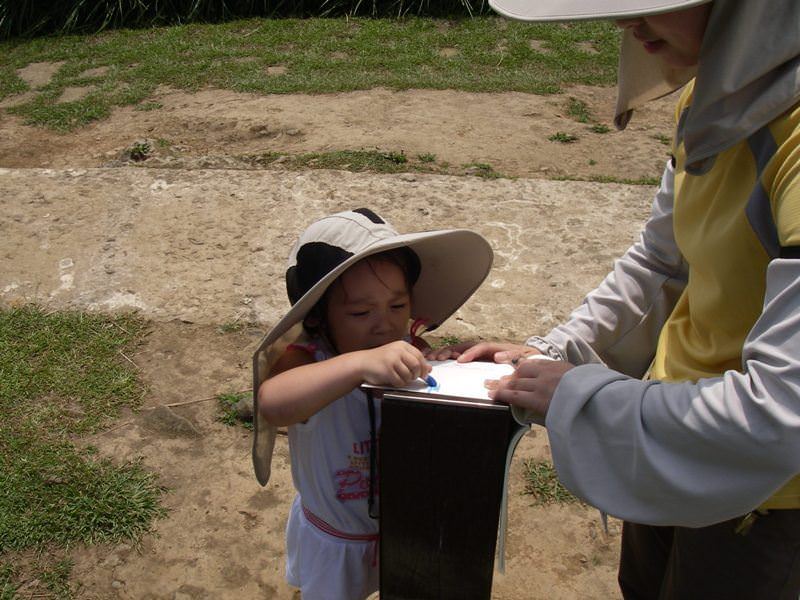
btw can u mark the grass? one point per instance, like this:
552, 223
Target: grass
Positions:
227, 405
563, 138
139, 151
542, 483
610, 179
52, 575
448, 340
373, 161
63, 376
232, 327
578, 110
481, 170
7, 587
663, 139
29, 17
482, 54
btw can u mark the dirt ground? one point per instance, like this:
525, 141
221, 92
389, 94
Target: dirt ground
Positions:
194, 240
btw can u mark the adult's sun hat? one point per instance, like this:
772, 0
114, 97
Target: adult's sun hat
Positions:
447, 267
745, 77
578, 10
642, 77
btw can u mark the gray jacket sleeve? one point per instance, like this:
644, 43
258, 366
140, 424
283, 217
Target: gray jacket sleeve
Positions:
683, 453
619, 322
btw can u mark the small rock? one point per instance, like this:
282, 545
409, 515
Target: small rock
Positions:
164, 419
117, 584
244, 409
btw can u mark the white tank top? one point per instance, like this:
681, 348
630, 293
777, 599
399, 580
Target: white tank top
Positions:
330, 456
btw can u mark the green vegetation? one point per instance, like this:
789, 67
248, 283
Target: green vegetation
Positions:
148, 106
29, 17
266, 56
541, 482
578, 110
664, 139
52, 574
448, 340
139, 151
65, 375
611, 179
348, 160
228, 412
373, 161
234, 326
563, 137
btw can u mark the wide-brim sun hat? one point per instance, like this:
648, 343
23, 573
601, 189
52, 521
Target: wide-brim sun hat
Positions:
449, 265
746, 75
579, 10
641, 76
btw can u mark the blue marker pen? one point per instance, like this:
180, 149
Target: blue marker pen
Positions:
431, 381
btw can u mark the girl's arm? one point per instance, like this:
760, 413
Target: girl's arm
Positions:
298, 387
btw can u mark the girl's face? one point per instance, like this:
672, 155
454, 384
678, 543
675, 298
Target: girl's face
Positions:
675, 37
368, 306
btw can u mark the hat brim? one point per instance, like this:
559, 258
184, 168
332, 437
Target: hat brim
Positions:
453, 264
581, 10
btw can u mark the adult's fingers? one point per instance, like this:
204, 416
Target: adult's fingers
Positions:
523, 398
478, 351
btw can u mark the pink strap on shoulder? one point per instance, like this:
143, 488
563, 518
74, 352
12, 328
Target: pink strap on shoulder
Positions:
417, 328
308, 348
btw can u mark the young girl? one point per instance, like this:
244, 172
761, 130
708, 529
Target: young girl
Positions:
356, 287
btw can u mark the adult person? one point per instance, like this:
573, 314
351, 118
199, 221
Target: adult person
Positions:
674, 399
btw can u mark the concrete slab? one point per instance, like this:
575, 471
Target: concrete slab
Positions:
209, 246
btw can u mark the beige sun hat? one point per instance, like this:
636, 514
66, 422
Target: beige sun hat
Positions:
746, 76
447, 266
641, 76
578, 10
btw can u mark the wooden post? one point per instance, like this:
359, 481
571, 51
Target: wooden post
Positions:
441, 472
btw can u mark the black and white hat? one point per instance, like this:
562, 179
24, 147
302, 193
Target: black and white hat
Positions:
447, 266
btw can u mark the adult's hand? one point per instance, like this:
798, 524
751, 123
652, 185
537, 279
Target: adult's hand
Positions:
496, 352
531, 386
448, 352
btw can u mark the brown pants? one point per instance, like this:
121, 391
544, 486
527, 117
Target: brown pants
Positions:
679, 563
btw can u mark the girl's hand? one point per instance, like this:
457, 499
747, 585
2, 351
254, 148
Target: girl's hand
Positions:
531, 386
396, 364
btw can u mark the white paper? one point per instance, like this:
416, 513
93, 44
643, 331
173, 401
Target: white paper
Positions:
461, 380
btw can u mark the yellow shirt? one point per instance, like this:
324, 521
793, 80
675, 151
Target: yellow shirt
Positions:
705, 333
